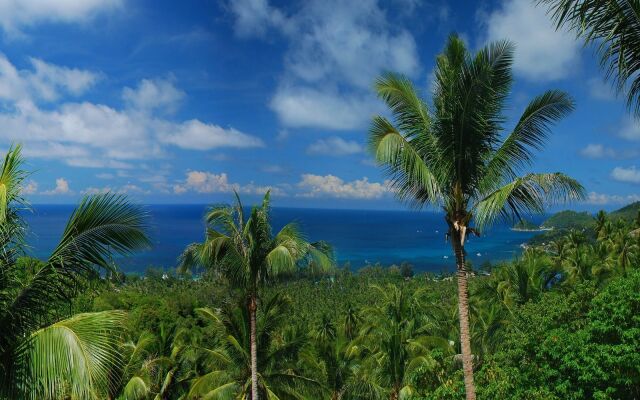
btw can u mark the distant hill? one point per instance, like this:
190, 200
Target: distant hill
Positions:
524, 225
627, 213
569, 220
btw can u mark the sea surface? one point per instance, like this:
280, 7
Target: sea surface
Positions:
360, 237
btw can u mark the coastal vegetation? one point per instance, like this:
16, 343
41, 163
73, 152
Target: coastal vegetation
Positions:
558, 322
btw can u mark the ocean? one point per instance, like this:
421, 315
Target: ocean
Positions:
360, 237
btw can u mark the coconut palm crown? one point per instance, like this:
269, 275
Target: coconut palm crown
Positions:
457, 155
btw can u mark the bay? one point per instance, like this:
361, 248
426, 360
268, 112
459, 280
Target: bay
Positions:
360, 237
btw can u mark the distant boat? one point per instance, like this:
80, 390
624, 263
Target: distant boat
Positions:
478, 254
445, 257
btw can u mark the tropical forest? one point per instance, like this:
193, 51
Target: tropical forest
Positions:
257, 306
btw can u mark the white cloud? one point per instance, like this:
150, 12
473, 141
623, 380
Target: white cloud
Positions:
333, 186
309, 107
15, 14
336, 50
602, 198
125, 189
255, 17
630, 129
44, 82
542, 53
90, 135
334, 146
97, 190
600, 90
82, 129
155, 94
62, 187
49, 79
622, 174
31, 187
350, 41
197, 135
597, 151
273, 169
208, 182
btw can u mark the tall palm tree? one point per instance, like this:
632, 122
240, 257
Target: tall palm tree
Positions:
614, 27
229, 367
456, 157
248, 254
42, 357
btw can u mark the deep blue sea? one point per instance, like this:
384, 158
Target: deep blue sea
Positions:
360, 237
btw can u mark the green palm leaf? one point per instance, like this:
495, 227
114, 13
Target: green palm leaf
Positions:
100, 225
72, 357
525, 195
136, 389
614, 27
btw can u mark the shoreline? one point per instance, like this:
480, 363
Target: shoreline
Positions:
531, 230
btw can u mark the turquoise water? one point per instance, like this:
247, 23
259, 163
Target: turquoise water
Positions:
360, 237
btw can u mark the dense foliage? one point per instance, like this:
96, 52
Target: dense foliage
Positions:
560, 322
569, 220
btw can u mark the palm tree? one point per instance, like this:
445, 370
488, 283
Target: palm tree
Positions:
398, 341
249, 256
42, 357
624, 250
229, 368
614, 27
529, 276
456, 157
352, 321
601, 221
136, 375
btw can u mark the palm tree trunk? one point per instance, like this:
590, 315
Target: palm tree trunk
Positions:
463, 311
253, 306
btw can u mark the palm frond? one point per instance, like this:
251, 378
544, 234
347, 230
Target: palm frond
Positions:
190, 258
214, 385
530, 133
614, 27
100, 226
72, 357
11, 178
410, 174
526, 195
408, 109
135, 389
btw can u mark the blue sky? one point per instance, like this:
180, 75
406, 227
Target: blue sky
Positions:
182, 102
